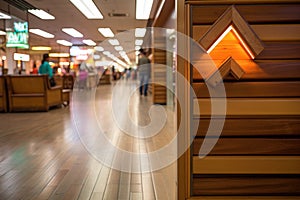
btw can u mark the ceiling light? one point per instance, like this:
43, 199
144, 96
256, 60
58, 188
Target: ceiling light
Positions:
41, 33
2, 32
98, 48
41, 14
137, 48
143, 9
73, 32
106, 32
41, 48
140, 32
88, 8
89, 42
106, 53
96, 57
4, 16
138, 42
64, 42
122, 53
118, 48
114, 42
59, 55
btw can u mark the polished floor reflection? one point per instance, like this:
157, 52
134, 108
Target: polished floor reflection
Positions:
43, 155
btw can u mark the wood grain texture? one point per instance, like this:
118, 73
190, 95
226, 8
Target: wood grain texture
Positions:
250, 89
230, 186
246, 165
248, 106
252, 127
208, 14
259, 70
265, 32
251, 146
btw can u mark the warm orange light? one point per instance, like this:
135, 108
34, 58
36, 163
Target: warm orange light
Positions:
237, 35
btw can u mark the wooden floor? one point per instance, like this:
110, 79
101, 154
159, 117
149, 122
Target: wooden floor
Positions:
42, 157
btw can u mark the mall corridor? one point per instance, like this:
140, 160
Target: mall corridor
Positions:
43, 154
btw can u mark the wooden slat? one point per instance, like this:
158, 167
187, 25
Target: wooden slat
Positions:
238, 186
265, 32
208, 14
250, 89
251, 146
244, 197
246, 165
261, 70
253, 127
250, 106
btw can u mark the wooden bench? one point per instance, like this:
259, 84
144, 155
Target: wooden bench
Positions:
32, 93
3, 96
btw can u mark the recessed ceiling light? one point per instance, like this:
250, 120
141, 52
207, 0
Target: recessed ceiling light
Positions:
143, 9
41, 14
140, 32
114, 42
41, 48
99, 48
88, 8
41, 33
59, 55
106, 32
4, 16
137, 48
73, 32
64, 42
118, 48
106, 53
89, 42
2, 32
138, 42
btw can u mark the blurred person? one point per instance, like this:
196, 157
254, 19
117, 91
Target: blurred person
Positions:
144, 69
45, 68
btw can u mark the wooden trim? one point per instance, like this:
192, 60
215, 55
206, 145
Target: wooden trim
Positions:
197, 2
282, 127
232, 16
250, 106
251, 89
265, 32
246, 165
245, 197
250, 146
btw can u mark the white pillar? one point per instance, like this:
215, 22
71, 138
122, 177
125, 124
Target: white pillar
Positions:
10, 63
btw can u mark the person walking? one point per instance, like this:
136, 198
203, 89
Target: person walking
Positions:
144, 69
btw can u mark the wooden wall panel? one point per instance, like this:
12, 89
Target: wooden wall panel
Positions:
257, 153
251, 146
246, 185
250, 89
253, 14
265, 32
253, 127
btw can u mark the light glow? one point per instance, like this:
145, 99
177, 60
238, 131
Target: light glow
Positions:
138, 42
41, 48
89, 42
140, 32
118, 48
73, 32
99, 48
88, 8
21, 56
64, 42
41, 14
59, 55
237, 35
2, 32
106, 32
4, 16
114, 42
41, 33
143, 9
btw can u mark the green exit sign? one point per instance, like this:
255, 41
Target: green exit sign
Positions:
19, 37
